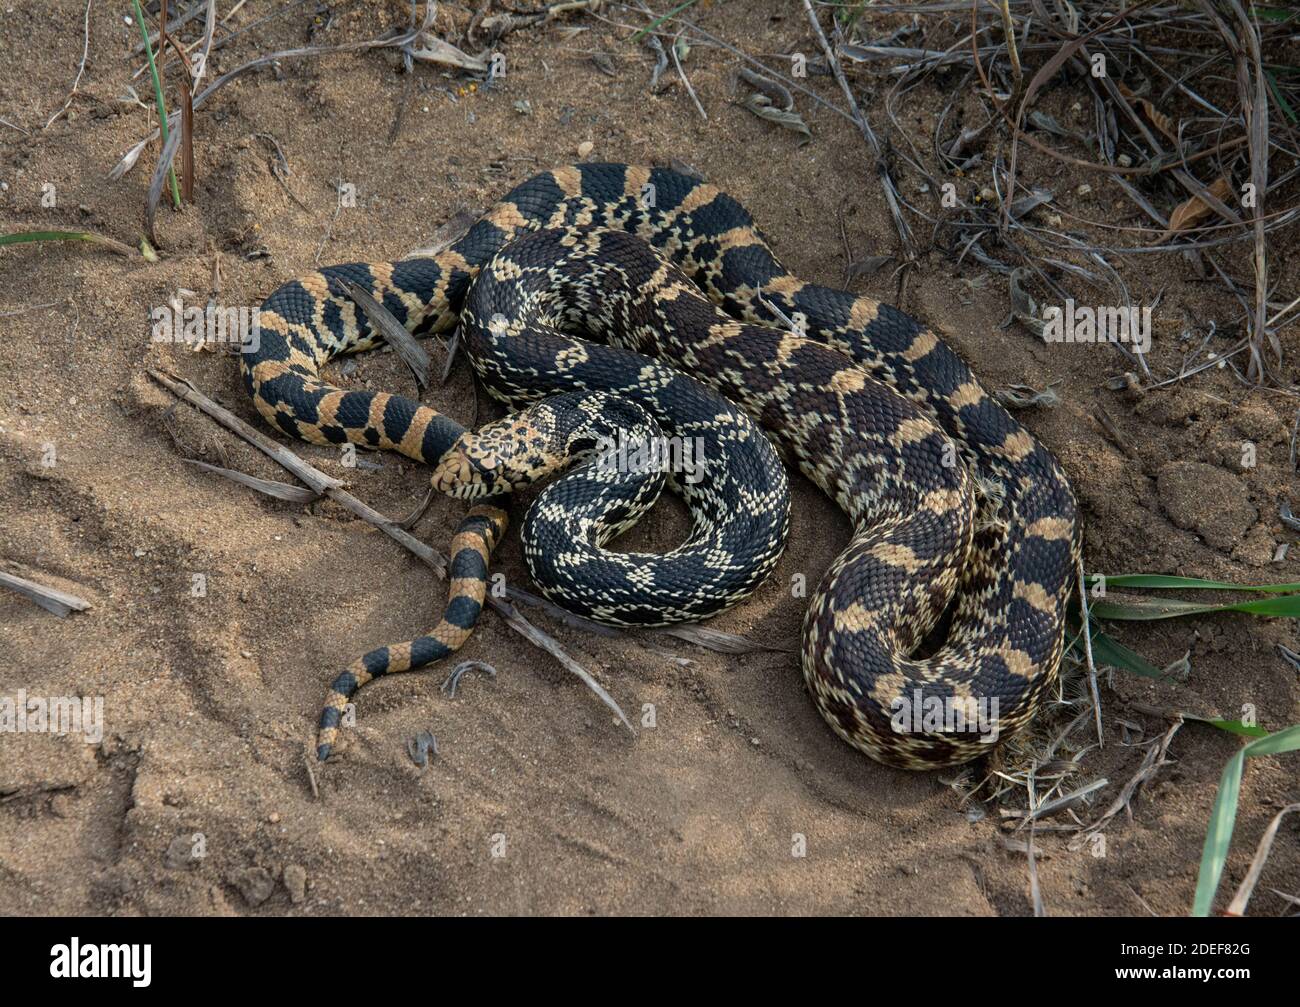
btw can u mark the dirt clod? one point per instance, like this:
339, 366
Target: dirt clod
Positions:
1206, 499
255, 884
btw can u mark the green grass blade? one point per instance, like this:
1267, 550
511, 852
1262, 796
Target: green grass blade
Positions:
1141, 608
1161, 581
1218, 836
1271, 13
158, 97
1274, 744
1276, 91
22, 237
1231, 726
1106, 650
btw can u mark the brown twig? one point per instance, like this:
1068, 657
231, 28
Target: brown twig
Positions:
49, 598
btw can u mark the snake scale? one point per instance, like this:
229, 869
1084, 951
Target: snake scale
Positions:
598, 281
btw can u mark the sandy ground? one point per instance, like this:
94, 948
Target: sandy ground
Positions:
538, 802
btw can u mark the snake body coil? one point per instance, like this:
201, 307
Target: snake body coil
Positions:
956, 508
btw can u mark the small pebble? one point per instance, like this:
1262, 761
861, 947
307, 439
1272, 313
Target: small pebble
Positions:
180, 854
295, 880
585, 148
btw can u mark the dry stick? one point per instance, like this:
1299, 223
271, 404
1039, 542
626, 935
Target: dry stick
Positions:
85, 51
1087, 650
702, 636
1152, 762
332, 488
1256, 112
723, 44
1238, 905
1009, 30
882, 172
175, 24
686, 80
49, 598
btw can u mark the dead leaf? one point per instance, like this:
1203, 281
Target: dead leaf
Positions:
761, 105
1158, 119
1189, 214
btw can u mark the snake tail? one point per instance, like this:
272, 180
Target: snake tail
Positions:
471, 549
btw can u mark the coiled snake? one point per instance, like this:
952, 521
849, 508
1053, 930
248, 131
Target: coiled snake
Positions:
958, 513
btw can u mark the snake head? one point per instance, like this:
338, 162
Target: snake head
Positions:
499, 458
467, 473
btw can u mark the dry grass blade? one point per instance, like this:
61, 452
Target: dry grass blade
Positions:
1162, 122
1056, 805
435, 50
452, 230
761, 106
49, 598
1087, 650
723, 643
1035, 892
681, 73
386, 323
1151, 764
278, 490
160, 173
1256, 111
1237, 907
1027, 397
190, 79
774, 89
